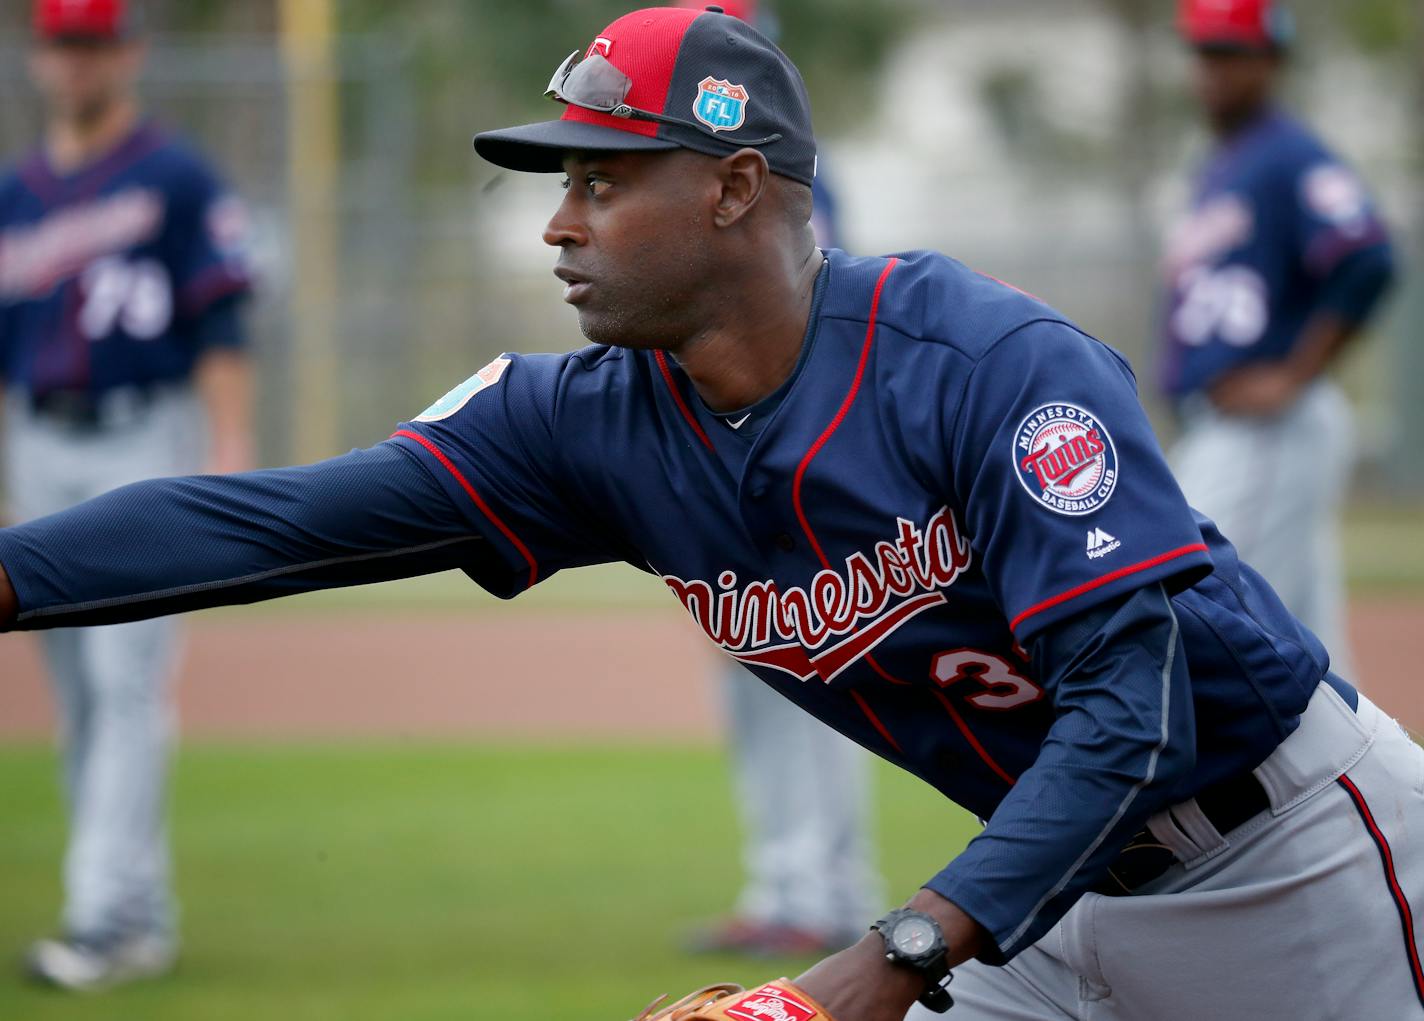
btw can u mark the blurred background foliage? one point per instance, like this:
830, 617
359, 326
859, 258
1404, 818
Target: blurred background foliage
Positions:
1045, 141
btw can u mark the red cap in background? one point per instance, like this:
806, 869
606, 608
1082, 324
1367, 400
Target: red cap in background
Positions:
1249, 25
83, 19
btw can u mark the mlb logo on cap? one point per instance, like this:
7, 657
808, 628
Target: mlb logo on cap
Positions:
83, 19
1243, 25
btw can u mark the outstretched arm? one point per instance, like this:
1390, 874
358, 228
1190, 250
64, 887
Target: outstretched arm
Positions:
170, 545
1124, 742
7, 599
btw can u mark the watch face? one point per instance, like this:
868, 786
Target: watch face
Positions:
913, 936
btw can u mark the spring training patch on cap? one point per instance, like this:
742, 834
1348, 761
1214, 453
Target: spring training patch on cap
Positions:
1065, 459
460, 395
720, 105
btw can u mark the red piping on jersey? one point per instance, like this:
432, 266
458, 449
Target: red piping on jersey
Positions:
1401, 903
826, 435
875, 720
1111, 576
840, 417
505, 530
681, 404
969, 736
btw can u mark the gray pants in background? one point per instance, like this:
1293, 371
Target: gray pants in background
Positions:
110, 683
803, 792
1275, 486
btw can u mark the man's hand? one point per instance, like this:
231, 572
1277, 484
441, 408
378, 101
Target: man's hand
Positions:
8, 605
1260, 389
859, 984
224, 381
1264, 389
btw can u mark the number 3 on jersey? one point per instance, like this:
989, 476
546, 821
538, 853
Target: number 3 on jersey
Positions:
134, 296
1004, 687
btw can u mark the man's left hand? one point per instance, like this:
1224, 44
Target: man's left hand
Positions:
1262, 390
859, 984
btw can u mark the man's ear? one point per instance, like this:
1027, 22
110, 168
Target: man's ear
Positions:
743, 177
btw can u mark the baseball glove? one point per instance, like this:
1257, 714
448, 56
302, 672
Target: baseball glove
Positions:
776, 1001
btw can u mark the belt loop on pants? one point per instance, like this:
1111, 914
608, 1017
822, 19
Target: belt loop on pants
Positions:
1330, 738
83, 411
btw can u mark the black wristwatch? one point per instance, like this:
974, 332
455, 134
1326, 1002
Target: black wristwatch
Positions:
915, 940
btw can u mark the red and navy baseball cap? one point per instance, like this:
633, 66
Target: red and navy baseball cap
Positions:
668, 78
1243, 26
84, 19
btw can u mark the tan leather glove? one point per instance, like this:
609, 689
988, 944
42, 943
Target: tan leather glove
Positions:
776, 1001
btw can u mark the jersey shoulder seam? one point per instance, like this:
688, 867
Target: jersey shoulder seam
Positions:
994, 345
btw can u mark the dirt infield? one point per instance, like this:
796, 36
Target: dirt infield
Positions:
512, 676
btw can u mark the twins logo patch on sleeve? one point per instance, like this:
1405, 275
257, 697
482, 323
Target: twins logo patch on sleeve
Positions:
460, 395
1065, 459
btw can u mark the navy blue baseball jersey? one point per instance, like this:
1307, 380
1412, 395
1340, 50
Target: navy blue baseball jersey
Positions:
106, 273
951, 535
1278, 229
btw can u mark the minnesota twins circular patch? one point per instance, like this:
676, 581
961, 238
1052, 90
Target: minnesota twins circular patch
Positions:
1065, 459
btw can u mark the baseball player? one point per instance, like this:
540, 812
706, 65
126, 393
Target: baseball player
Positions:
1278, 265
811, 880
119, 288
1187, 814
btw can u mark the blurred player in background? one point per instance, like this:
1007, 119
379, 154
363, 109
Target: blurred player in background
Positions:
811, 882
120, 280
1278, 265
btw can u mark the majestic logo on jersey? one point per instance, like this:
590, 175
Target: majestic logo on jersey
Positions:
36, 257
795, 630
771, 1003
720, 105
460, 396
1065, 459
1100, 543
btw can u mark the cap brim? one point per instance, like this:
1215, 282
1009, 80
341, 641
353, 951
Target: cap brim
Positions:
540, 148
1231, 44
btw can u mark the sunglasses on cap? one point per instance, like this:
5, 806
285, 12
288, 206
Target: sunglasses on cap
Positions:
593, 83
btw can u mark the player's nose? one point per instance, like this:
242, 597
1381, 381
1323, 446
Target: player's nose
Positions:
564, 228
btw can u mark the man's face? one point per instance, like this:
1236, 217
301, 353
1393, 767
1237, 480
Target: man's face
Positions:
80, 79
1232, 84
635, 235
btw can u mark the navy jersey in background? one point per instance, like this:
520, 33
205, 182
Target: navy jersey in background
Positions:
1276, 227
106, 273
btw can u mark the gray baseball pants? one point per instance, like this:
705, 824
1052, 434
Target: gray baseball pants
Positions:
110, 683
1305, 913
1274, 486
803, 792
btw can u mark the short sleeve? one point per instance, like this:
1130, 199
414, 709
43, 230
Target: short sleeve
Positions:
1065, 493
1334, 216
491, 444
211, 244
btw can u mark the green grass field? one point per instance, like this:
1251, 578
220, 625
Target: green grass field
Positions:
429, 881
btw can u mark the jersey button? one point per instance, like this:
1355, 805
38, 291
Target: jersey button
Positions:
758, 493
784, 542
